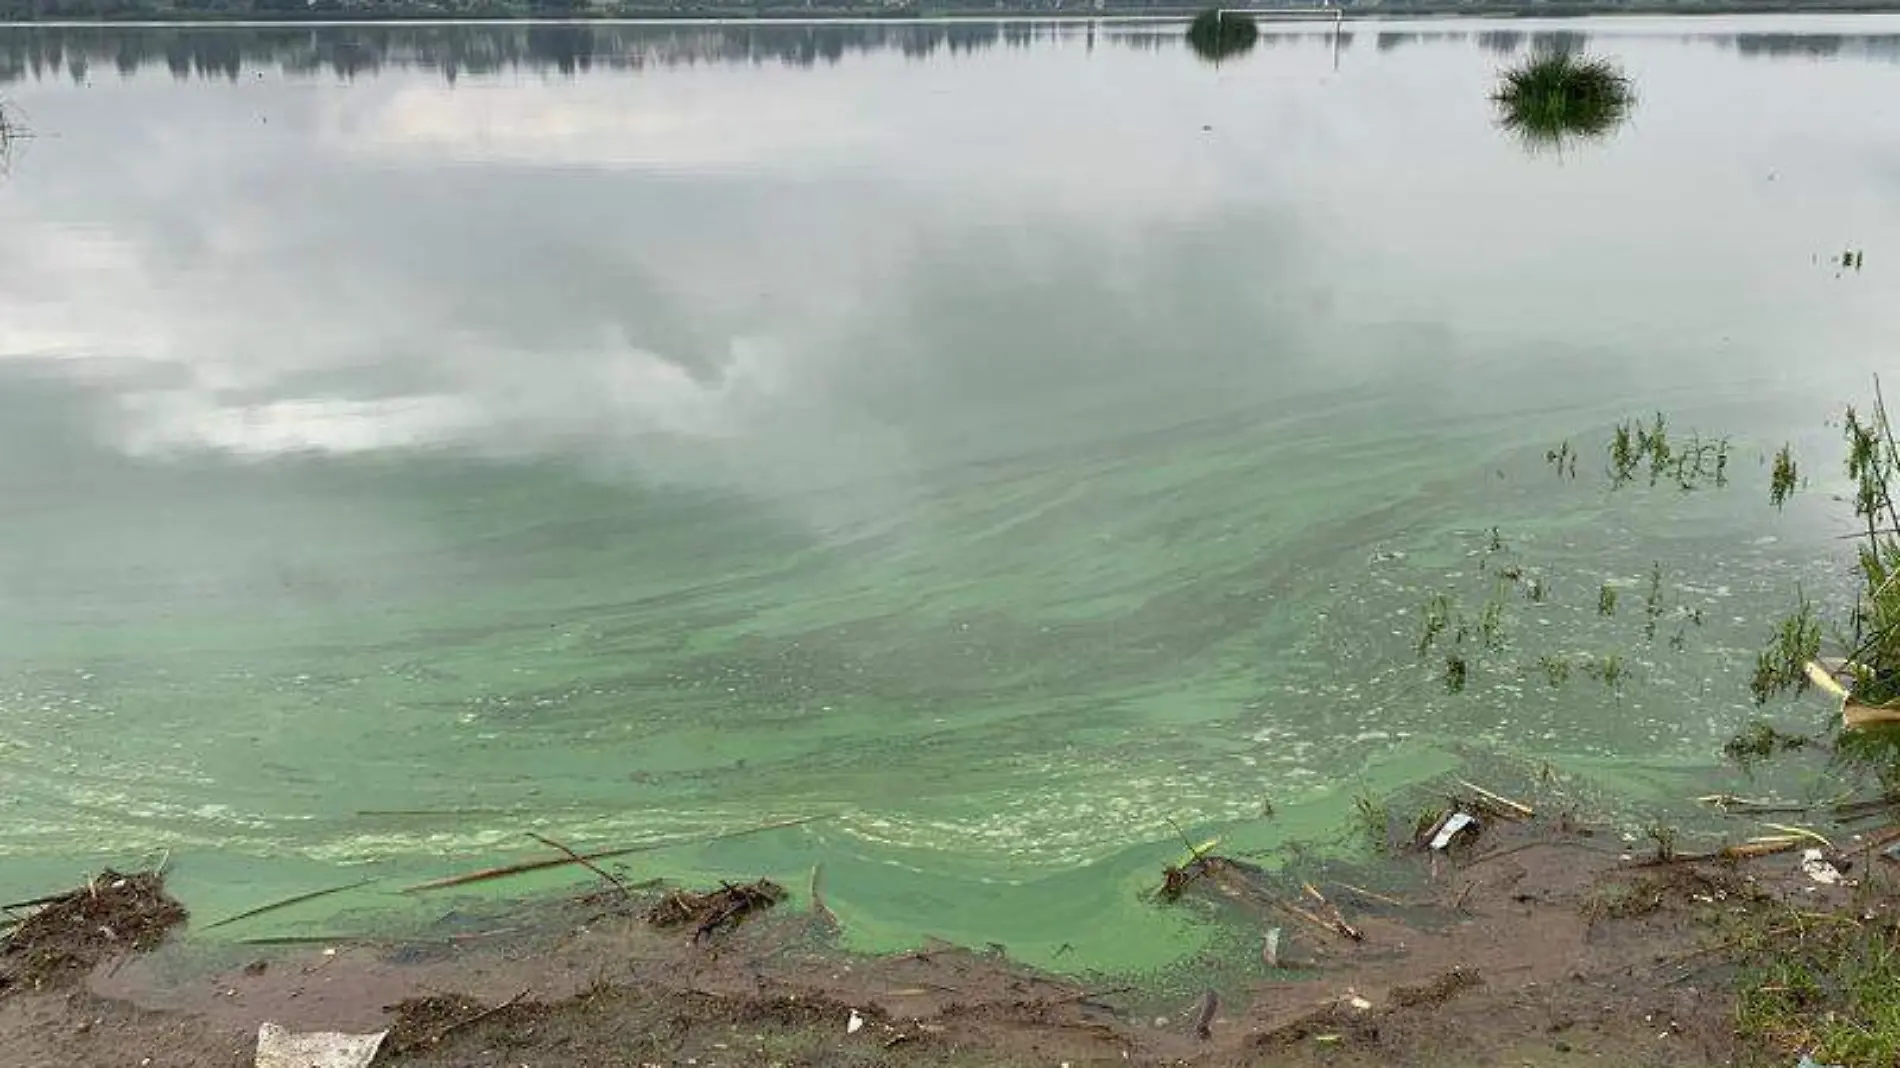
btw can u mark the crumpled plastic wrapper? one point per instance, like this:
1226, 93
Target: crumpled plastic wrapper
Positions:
278, 1048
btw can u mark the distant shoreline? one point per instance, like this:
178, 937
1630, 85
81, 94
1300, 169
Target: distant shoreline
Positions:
632, 15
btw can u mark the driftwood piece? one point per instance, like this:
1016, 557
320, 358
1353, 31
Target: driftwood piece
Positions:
1504, 806
611, 878
287, 902
1330, 917
525, 867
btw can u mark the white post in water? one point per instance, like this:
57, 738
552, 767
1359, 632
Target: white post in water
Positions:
1339, 17
1221, 13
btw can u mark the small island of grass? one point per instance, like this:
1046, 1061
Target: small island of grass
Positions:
1557, 95
1216, 34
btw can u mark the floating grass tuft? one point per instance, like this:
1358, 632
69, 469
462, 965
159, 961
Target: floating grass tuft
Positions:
1556, 96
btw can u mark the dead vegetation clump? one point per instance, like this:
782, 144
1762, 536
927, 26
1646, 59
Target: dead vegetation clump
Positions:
1337, 1023
72, 932
1439, 990
1680, 884
424, 1022
717, 911
1176, 879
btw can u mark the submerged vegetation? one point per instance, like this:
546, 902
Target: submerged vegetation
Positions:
9, 132
1469, 637
1865, 631
1760, 741
1870, 633
1216, 34
1690, 464
1554, 96
1783, 664
1783, 478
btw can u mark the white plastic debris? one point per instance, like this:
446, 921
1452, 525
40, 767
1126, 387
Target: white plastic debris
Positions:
1359, 1003
1453, 826
278, 1048
1270, 952
855, 1024
1818, 869
1810, 1062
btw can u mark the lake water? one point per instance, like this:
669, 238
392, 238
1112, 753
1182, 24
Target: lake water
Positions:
1008, 442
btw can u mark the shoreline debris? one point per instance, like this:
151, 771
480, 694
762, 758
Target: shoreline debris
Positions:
1766, 846
1204, 1016
1504, 806
1824, 674
287, 902
1816, 867
720, 910
278, 1048
1330, 917
74, 931
612, 879
416, 1014
523, 868
1449, 828
1729, 803
1371, 896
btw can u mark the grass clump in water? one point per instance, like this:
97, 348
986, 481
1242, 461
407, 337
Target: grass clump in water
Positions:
1871, 633
1759, 742
1216, 35
1606, 600
1783, 665
1783, 479
10, 132
1557, 95
1457, 673
1372, 819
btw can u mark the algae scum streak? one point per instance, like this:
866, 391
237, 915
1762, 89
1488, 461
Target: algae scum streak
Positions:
954, 455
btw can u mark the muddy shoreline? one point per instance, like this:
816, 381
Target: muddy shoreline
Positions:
1536, 942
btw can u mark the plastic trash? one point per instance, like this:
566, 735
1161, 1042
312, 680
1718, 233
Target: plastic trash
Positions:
1454, 825
278, 1048
854, 1024
1809, 1062
1818, 869
1270, 952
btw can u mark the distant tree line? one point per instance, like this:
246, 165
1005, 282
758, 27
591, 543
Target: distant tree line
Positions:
307, 10
82, 52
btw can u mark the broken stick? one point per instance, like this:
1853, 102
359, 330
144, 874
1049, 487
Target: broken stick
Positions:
1365, 893
1335, 919
1522, 810
1339, 927
525, 867
625, 892
289, 901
